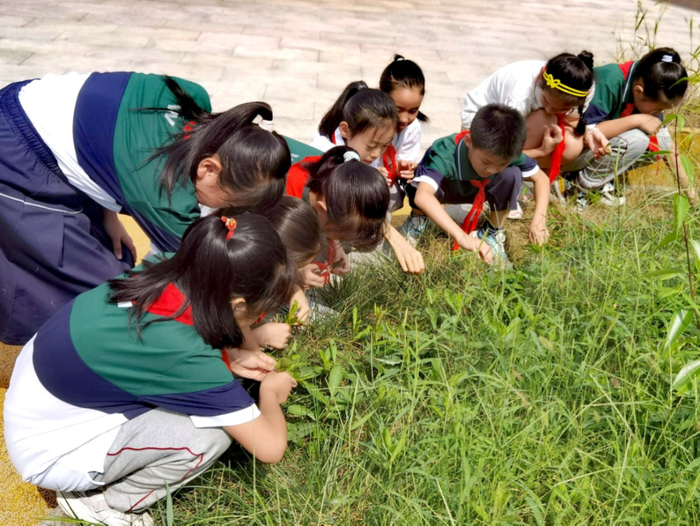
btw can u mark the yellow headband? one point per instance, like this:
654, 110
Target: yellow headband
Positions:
556, 84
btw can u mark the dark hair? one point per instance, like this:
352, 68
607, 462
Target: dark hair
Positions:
663, 81
210, 271
298, 227
574, 71
254, 161
357, 196
403, 73
499, 130
362, 108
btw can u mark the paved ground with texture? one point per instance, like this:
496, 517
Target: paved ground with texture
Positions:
298, 55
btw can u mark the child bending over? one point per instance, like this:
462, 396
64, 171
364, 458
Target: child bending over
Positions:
484, 164
350, 199
128, 390
366, 120
626, 112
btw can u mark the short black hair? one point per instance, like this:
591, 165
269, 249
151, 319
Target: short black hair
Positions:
499, 130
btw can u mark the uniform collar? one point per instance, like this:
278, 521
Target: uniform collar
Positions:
465, 170
169, 302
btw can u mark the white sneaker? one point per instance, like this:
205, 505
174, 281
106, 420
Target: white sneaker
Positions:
92, 507
608, 197
516, 214
496, 243
413, 228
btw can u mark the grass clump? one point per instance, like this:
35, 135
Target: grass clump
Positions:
539, 395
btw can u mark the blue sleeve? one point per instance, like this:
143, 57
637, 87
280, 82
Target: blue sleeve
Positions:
528, 166
595, 114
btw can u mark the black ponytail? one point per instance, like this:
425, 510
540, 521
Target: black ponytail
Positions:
403, 73
665, 79
357, 196
362, 108
254, 161
211, 271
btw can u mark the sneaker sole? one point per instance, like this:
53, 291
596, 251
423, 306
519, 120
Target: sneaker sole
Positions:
74, 508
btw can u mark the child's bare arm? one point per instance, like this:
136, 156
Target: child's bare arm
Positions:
250, 342
647, 123
266, 436
117, 233
538, 228
425, 200
552, 136
409, 258
303, 308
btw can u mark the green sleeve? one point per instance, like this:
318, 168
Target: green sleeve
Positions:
609, 83
138, 135
441, 157
300, 150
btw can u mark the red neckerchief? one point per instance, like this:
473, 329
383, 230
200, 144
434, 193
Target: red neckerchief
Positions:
629, 109
169, 302
558, 152
389, 162
472, 220
626, 68
325, 268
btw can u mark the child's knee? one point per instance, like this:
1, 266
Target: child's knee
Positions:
664, 139
511, 177
634, 140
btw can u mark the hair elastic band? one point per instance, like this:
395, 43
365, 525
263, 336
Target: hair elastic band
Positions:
266, 125
557, 84
230, 224
350, 156
667, 58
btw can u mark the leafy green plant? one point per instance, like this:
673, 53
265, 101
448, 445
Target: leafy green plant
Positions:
292, 317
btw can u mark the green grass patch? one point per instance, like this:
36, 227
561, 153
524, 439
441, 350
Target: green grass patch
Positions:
540, 395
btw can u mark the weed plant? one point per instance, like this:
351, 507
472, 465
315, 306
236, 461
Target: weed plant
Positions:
539, 395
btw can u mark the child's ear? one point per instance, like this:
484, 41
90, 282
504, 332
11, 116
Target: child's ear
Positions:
468, 140
320, 204
237, 303
344, 130
209, 167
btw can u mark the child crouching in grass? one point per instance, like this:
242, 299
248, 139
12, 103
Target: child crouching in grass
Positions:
298, 227
485, 164
350, 199
128, 390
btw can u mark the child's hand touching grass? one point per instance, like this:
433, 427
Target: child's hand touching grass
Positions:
273, 334
250, 364
477, 245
